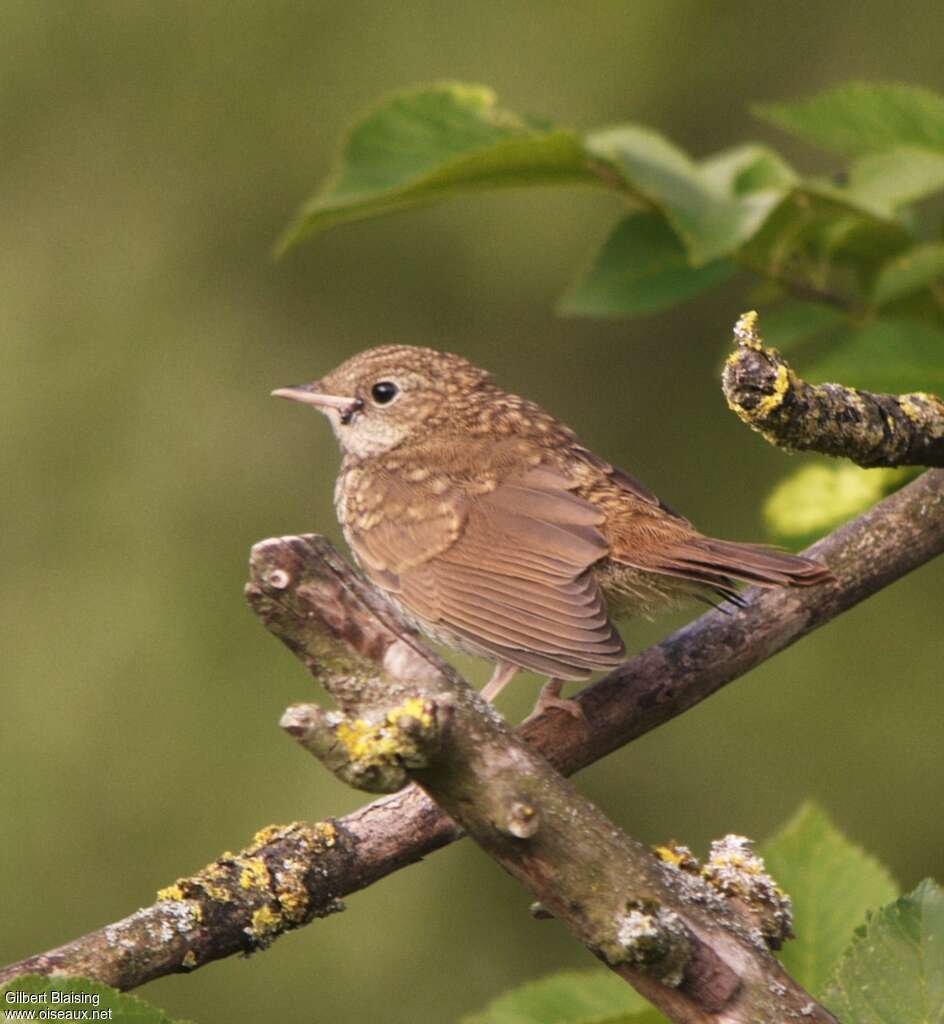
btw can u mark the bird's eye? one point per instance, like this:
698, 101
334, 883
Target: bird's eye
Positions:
384, 392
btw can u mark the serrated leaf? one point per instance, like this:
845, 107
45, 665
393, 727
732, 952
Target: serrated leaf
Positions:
710, 223
888, 355
862, 117
434, 142
888, 180
791, 323
915, 269
893, 973
642, 268
570, 997
85, 995
832, 883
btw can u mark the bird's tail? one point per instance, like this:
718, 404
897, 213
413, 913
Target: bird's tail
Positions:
718, 566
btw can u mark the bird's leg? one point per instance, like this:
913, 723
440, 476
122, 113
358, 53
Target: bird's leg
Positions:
550, 697
501, 677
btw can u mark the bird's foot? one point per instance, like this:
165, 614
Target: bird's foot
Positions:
550, 697
572, 707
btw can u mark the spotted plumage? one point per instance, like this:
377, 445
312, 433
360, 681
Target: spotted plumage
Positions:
496, 531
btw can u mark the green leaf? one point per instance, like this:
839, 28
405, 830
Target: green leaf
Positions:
710, 223
746, 169
819, 239
571, 997
791, 323
915, 269
435, 142
893, 973
642, 268
886, 181
887, 355
816, 499
862, 117
54, 995
831, 882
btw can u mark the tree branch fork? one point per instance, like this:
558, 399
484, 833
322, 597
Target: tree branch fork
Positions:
693, 948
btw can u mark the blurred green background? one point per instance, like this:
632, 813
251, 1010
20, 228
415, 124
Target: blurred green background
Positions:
151, 154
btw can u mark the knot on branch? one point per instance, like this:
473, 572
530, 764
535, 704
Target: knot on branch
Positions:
522, 820
653, 938
870, 429
376, 753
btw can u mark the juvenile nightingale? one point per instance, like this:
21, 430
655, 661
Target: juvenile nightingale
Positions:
497, 533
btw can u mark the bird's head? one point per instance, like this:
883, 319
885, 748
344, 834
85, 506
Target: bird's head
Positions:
385, 396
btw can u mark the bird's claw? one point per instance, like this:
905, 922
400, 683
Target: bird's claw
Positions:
548, 701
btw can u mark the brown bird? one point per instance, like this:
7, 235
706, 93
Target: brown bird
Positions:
497, 533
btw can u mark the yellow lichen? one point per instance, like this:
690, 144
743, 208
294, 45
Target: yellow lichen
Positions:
363, 740
416, 708
677, 856
216, 892
294, 901
214, 878
925, 410
266, 922
327, 832
190, 960
254, 874
369, 743
770, 402
266, 835
171, 892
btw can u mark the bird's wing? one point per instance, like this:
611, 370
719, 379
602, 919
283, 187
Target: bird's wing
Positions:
643, 497
508, 571
651, 536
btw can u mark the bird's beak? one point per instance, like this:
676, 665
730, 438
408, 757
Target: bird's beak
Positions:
307, 394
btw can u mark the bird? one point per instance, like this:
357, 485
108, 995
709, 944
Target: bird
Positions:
495, 532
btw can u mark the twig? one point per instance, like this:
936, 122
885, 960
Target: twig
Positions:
870, 429
341, 857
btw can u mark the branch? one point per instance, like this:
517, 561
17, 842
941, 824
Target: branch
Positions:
405, 714
870, 429
340, 857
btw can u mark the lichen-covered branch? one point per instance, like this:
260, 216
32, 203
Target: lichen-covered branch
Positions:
695, 953
341, 857
870, 429
237, 904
